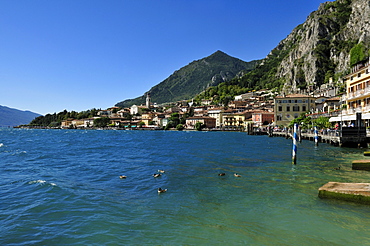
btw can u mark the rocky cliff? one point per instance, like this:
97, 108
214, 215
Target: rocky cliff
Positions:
319, 49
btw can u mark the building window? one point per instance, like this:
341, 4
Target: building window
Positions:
304, 108
299, 101
295, 108
278, 117
358, 75
284, 101
280, 108
287, 108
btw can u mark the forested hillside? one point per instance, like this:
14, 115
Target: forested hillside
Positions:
190, 80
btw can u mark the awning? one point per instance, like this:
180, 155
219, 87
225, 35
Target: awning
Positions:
348, 118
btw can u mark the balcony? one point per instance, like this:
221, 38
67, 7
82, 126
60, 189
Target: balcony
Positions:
358, 93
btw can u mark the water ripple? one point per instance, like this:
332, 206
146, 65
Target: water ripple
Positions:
62, 187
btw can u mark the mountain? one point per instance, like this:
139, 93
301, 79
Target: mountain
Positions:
190, 80
325, 46
15, 117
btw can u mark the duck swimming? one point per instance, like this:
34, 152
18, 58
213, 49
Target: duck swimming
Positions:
122, 176
221, 174
160, 190
237, 175
156, 175
161, 171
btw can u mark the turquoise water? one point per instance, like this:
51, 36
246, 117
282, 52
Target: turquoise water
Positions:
62, 187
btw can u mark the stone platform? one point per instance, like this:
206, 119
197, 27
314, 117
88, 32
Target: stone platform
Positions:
361, 165
354, 192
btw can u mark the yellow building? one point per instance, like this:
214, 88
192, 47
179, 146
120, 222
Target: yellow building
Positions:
147, 118
358, 89
235, 120
289, 107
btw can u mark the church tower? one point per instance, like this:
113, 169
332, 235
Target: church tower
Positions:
148, 102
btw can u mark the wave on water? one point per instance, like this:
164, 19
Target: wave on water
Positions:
41, 182
1, 145
19, 152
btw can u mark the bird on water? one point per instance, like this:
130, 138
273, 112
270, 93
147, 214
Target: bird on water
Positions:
160, 190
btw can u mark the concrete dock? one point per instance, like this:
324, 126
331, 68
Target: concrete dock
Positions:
354, 192
361, 165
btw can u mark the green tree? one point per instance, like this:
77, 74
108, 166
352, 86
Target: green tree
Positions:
322, 122
101, 122
174, 120
304, 121
180, 127
199, 126
357, 54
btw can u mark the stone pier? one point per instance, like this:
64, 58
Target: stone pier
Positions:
361, 165
354, 192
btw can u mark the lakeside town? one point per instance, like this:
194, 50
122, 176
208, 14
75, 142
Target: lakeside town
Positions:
254, 110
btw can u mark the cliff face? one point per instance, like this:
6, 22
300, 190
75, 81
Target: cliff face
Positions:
319, 48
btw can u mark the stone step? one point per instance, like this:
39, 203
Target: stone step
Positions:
361, 165
354, 192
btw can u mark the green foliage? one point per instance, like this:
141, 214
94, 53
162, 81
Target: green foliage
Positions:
180, 127
340, 11
54, 120
101, 122
322, 122
304, 121
194, 78
199, 126
174, 120
357, 54
141, 124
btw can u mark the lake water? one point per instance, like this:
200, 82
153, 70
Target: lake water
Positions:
62, 187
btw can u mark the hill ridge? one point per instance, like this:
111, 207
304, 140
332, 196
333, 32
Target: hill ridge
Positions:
15, 117
190, 80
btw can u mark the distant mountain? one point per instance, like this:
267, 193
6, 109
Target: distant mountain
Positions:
192, 79
15, 117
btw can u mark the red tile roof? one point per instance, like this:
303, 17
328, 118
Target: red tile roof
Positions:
294, 96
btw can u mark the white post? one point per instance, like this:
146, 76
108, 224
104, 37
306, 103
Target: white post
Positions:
295, 137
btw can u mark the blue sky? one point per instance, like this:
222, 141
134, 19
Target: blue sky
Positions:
83, 54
